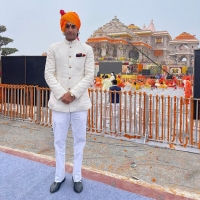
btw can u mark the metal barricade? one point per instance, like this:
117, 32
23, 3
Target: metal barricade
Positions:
138, 116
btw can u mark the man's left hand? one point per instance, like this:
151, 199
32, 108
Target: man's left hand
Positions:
67, 98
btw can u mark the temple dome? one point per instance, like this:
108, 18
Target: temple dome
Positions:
185, 36
134, 27
151, 26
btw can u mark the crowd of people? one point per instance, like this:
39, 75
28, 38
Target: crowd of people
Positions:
161, 81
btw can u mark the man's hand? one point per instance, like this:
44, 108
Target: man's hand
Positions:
67, 98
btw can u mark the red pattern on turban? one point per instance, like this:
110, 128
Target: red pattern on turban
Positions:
69, 17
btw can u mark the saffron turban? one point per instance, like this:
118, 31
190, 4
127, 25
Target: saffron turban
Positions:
69, 17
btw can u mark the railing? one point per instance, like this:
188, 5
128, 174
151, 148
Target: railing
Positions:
28, 103
162, 118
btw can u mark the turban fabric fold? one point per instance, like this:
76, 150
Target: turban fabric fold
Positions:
69, 17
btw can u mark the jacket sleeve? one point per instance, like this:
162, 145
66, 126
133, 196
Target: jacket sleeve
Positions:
84, 84
50, 70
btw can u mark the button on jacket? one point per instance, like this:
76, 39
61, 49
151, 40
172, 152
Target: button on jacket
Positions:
66, 70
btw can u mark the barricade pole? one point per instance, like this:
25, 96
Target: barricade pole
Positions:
190, 133
88, 121
150, 117
38, 106
14, 102
11, 102
105, 111
181, 123
50, 117
177, 118
96, 111
42, 102
18, 102
21, 100
186, 120
168, 121
196, 120
162, 117
140, 114
5, 105
1, 96
101, 111
1, 100
114, 113
26, 102
34, 104
156, 124
144, 115
46, 107
8, 102
136, 115
110, 110
174, 121
32, 97
130, 112
92, 112
120, 112
125, 111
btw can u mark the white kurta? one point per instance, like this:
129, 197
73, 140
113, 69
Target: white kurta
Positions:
64, 72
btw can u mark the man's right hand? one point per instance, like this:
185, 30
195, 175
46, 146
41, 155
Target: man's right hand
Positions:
67, 98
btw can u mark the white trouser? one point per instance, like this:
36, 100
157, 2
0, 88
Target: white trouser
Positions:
61, 122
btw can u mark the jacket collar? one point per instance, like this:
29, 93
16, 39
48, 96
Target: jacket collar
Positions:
71, 42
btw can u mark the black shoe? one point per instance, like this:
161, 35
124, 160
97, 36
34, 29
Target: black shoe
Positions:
56, 186
78, 186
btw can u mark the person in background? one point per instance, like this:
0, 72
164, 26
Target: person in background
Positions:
114, 96
118, 78
135, 86
103, 76
187, 90
114, 87
112, 76
106, 83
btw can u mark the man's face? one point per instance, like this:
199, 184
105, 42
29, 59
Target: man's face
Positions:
71, 31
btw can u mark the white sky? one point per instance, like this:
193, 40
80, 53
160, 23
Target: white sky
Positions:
34, 24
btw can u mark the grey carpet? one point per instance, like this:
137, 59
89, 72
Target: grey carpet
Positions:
23, 179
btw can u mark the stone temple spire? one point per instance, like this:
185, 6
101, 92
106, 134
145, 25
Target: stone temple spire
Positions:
151, 26
144, 27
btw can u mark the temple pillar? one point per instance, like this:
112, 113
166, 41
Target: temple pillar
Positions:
188, 60
103, 50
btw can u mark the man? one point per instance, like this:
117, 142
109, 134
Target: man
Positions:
106, 83
69, 72
115, 100
187, 90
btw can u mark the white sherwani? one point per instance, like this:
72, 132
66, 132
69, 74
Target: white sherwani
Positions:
64, 72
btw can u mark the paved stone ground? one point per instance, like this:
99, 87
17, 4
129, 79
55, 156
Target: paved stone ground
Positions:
165, 167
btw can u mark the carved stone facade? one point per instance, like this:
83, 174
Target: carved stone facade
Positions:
116, 41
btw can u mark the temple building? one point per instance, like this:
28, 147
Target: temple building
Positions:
115, 41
